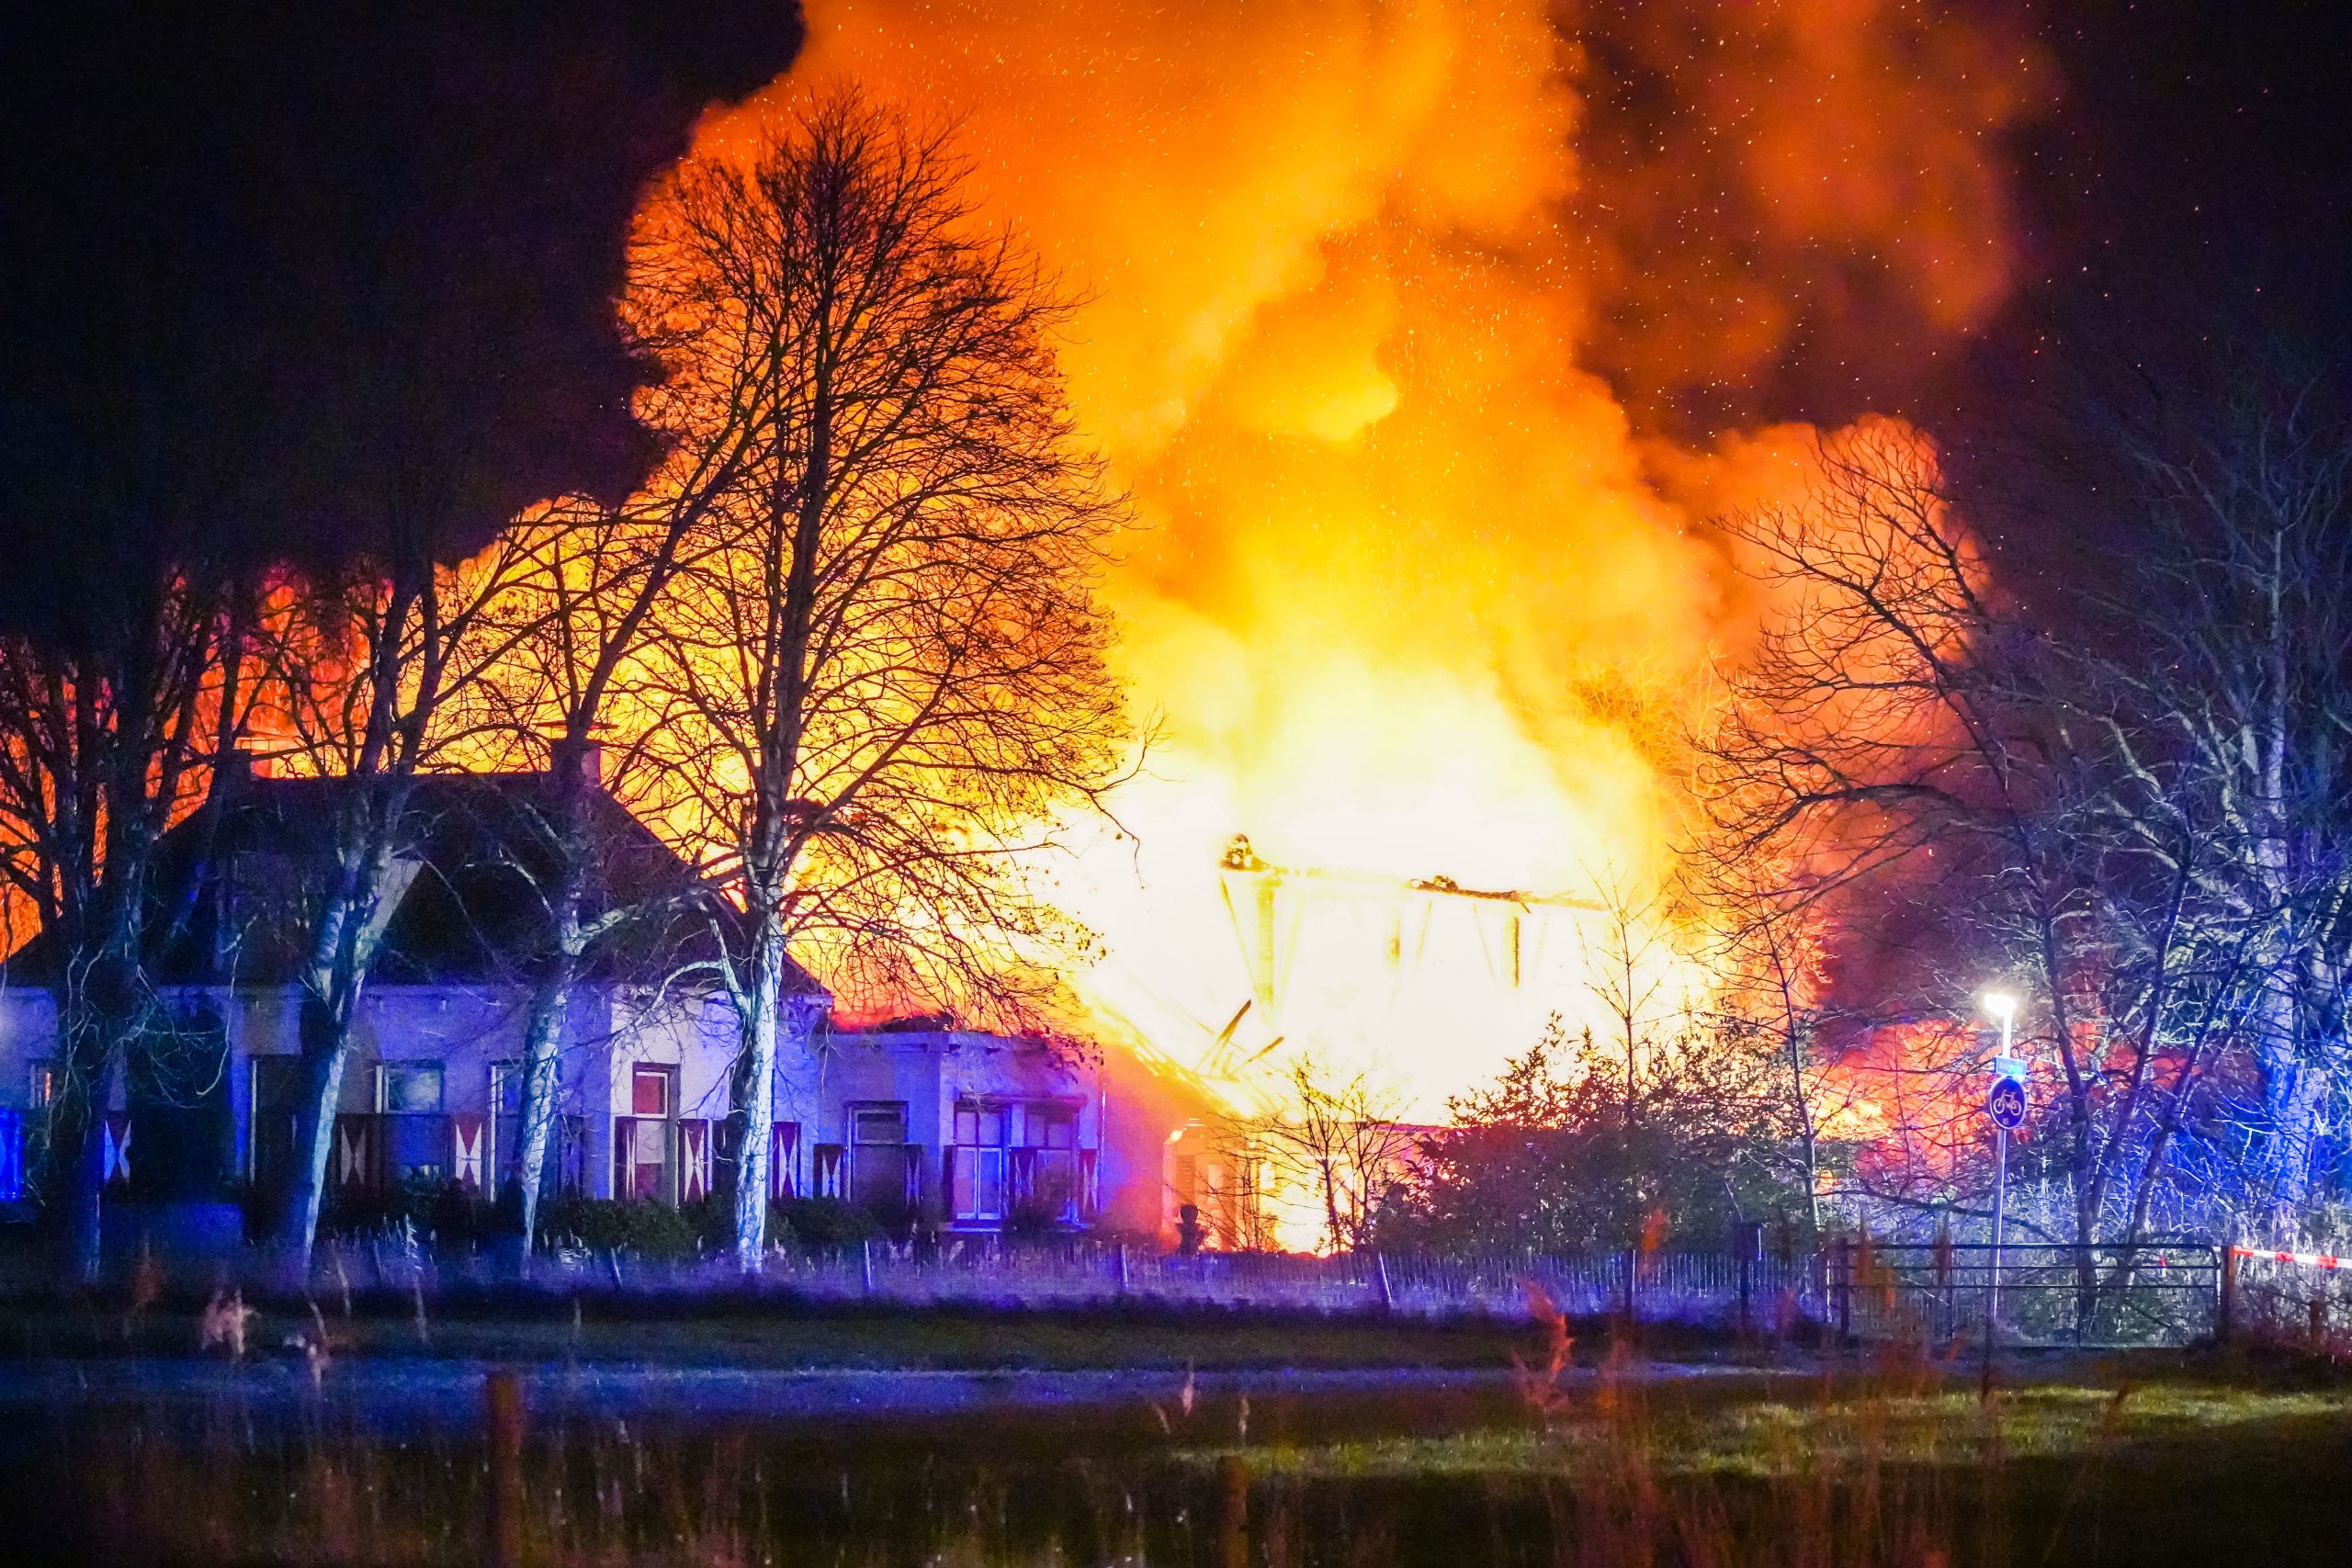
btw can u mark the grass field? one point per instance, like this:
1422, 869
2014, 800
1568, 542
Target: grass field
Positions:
815, 1338
1576, 1449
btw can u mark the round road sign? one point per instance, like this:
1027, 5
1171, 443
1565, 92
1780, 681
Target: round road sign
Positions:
2004, 1102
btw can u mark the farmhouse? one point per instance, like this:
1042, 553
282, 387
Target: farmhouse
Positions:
926, 1124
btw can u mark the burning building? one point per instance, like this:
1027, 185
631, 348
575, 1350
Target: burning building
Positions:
1422, 335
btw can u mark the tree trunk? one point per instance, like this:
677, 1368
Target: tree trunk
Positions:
351, 928
76, 1165
757, 1088
552, 1001
542, 1042
95, 1026
325, 1028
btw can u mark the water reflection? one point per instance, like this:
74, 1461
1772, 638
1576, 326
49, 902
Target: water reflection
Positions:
1154, 1479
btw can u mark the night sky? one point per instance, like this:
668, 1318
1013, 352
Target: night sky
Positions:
2194, 179
259, 258
286, 278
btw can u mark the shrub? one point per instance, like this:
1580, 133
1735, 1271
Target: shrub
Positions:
822, 1224
604, 1224
440, 1211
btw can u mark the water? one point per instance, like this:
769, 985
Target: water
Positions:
159, 1461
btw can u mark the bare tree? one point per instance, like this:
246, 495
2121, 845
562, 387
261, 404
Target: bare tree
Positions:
1937, 787
369, 665
112, 717
1629, 961
1764, 952
573, 612
2225, 712
1893, 744
1341, 1139
882, 673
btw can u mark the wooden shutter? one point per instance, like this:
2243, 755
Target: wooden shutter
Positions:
694, 1161
467, 1164
359, 1152
114, 1129
784, 1155
624, 1158
571, 1153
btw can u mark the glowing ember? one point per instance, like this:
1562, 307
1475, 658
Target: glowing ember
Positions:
1413, 600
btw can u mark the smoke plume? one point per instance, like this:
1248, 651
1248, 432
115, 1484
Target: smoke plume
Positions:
1416, 330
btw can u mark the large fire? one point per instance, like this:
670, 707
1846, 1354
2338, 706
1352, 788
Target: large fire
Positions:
1414, 600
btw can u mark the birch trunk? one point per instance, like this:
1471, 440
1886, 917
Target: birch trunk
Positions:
343, 954
757, 1087
542, 1042
551, 1001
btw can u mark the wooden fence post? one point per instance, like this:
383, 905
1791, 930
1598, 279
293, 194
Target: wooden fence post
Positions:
1233, 1518
502, 1412
2225, 1307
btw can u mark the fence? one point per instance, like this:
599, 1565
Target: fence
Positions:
1761, 1292
2170, 1291
2296, 1298
2165, 1291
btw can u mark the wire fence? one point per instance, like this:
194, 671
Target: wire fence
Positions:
2164, 1290
1757, 1292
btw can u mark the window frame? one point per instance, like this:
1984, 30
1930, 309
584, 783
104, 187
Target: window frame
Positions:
385, 1072
856, 1112
666, 1076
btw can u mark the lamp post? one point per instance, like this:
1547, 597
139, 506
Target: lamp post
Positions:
2005, 1103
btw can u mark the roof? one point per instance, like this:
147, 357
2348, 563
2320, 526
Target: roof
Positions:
235, 883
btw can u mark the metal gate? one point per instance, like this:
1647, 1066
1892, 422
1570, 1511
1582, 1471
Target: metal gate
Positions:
2165, 1291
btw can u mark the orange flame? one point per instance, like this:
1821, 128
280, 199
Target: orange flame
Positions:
1415, 599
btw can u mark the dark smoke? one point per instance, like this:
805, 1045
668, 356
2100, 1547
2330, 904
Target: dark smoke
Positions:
296, 279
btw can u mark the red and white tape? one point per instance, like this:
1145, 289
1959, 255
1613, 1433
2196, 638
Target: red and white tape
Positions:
2308, 1259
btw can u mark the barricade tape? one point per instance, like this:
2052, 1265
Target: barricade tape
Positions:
2308, 1259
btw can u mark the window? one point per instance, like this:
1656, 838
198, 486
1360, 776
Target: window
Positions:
1044, 1170
878, 1167
409, 1089
645, 1140
642, 1167
506, 1087
46, 1081
978, 1124
506, 1127
878, 1123
416, 1139
1050, 1125
975, 1163
277, 1099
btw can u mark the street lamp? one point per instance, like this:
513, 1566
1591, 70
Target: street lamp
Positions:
2002, 1008
2005, 1103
